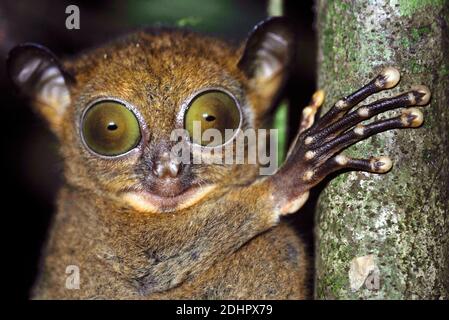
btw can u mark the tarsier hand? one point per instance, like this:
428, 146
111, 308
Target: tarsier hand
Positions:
316, 151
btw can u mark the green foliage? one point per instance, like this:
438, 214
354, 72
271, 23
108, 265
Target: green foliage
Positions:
218, 16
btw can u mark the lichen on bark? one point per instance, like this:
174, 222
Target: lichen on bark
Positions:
402, 218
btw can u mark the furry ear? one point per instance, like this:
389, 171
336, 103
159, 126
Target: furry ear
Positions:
268, 54
38, 75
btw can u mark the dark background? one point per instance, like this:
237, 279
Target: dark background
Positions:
29, 150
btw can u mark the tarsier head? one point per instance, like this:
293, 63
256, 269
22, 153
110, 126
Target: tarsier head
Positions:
114, 109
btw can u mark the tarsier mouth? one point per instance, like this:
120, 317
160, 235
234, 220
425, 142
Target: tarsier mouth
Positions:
146, 201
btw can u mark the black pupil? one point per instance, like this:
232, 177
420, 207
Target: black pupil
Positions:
112, 126
208, 117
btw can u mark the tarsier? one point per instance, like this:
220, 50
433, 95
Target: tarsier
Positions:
141, 225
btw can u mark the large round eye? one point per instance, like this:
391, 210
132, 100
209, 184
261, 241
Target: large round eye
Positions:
212, 110
110, 129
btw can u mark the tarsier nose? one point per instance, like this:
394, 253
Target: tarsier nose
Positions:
166, 167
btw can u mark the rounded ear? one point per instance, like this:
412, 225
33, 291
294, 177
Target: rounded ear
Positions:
38, 75
268, 53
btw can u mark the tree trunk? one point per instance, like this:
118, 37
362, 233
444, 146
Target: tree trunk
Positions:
387, 236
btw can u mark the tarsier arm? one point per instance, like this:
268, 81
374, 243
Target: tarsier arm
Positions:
316, 151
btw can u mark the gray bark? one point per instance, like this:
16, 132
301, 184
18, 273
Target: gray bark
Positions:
399, 222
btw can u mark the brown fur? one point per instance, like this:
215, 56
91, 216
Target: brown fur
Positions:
228, 244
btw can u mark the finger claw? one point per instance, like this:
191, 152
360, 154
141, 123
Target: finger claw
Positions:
412, 117
381, 164
390, 78
318, 98
424, 94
